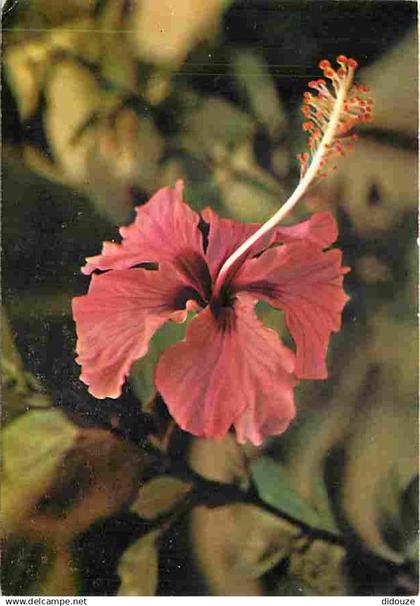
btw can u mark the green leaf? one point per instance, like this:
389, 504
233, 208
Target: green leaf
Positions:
34, 446
21, 390
24, 82
249, 192
256, 82
61, 577
216, 125
274, 488
138, 567
319, 566
272, 318
410, 521
158, 496
238, 543
142, 374
200, 186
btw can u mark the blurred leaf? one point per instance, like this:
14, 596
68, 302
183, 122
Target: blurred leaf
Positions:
254, 78
25, 70
40, 163
118, 68
237, 544
123, 155
34, 446
159, 496
223, 460
214, 126
21, 390
399, 62
142, 373
79, 38
282, 164
372, 167
97, 478
138, 567
403, 308
29, 62
60, 578
76, 476
40, 14
245, 199
320, 566
410, 521
200, 186
373, 483
72, 91
106, 148
158, 87
165, 30
274, 488
249, 192
324, 420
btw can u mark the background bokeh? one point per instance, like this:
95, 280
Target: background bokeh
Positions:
105, 101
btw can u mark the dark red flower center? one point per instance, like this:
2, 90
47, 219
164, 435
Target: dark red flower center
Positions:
222, 309
195, 269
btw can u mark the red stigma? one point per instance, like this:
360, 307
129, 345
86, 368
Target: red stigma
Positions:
324, 64
342, 59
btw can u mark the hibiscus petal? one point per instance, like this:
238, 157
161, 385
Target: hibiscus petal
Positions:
165, 228
264, 418
229, 369
320, 229
307, 284
117, 318
225, 236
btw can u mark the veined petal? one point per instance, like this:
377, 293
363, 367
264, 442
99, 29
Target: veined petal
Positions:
268, 417
165, 229
320, 229
307, 284
117, 318
228, 366
225, 236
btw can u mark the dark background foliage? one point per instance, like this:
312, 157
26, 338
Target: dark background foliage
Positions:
49, 227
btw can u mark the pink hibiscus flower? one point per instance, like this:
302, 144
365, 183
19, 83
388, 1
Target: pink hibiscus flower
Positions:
230, 370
